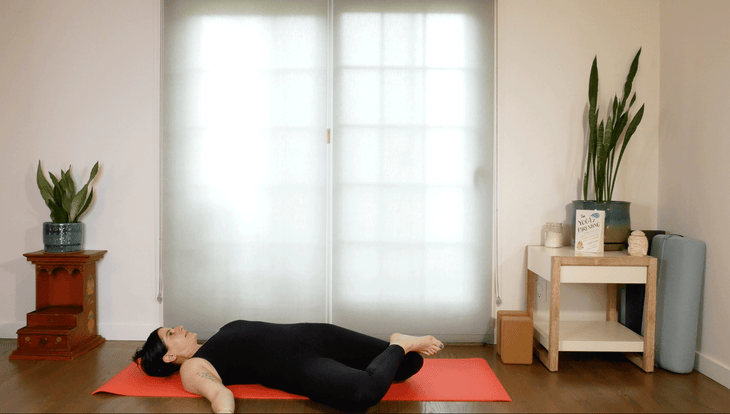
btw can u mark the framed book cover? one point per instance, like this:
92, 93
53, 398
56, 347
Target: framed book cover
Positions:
589, 225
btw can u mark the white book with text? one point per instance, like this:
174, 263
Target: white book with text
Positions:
589, 225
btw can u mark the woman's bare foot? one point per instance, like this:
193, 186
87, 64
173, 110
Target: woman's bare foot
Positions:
427, 345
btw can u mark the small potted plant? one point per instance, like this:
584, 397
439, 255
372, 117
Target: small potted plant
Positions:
64, 234
604, 139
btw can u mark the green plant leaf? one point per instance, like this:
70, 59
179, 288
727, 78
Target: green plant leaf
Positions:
80, 202
54, 179
629, 133
592, 140
62, 182
43, 185
65, 201
600, 162
615, 106
608, 144
632, 126
47, 197
604, 139
77, 202
86, 205
632, 73
592, 125
70, 186
593, 84
58, 195
94, 170
58, 214
619, 128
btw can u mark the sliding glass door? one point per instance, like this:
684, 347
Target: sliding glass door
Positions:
244, 162
412, 167
386, 227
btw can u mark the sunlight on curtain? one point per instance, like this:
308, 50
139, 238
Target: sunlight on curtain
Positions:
413, 124
244, 162
248, 215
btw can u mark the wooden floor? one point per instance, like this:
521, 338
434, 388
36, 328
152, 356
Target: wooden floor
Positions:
584, 383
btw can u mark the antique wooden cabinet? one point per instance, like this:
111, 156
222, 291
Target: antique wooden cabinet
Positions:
64, 324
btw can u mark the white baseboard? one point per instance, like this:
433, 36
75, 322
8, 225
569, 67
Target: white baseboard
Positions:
9, 330
713, 369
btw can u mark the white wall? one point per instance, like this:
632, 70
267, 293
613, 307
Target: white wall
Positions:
694, 193
79, 82
544, 54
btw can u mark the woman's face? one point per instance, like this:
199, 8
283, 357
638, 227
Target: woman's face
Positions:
178, 341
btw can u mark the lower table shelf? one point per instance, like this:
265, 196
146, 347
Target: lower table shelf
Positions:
590, 336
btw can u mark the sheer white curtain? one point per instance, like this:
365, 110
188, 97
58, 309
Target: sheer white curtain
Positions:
244, 162
386, 229
412, 167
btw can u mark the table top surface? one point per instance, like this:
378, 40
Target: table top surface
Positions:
83, 256
569, 251
580, 267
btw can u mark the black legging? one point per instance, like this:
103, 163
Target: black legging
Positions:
326, 363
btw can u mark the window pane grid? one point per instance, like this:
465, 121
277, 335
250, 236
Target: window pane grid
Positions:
412, 207
246, 213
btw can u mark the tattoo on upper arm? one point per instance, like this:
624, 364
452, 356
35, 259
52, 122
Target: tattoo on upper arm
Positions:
207, 375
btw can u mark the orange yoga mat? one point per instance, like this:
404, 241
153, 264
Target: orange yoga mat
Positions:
439, 380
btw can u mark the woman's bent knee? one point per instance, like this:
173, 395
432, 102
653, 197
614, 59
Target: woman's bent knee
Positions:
360, 400
411, 364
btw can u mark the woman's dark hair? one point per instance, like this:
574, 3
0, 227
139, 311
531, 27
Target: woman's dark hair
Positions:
149, 357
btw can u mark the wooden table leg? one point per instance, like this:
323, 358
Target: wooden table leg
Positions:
531, 285
611, 302
554, 343
650, 316
646, 361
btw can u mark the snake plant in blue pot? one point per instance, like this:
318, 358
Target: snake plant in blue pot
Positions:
64, 234
607, 143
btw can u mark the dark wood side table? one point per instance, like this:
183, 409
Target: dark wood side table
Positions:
64, 324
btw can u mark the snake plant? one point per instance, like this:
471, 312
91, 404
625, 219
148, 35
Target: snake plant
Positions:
604, 138
65, 203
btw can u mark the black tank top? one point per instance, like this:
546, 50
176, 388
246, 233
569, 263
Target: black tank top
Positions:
245, 352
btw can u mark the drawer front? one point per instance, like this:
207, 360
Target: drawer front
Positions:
42, 342
603, 274
66, 321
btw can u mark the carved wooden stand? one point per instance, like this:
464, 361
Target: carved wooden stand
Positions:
63, 326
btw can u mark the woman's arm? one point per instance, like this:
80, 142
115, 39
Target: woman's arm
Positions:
199, 379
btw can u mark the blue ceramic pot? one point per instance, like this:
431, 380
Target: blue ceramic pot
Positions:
618, 221
62, 237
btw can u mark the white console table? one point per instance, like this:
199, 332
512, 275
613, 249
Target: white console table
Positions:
564, 265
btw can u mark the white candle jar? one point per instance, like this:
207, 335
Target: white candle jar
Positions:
552, 235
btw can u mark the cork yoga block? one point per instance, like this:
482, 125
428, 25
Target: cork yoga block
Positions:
515, 340
500, 315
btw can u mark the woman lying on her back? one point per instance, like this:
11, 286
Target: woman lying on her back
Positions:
326, 363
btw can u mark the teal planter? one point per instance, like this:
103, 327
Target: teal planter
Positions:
618, 222
63, 237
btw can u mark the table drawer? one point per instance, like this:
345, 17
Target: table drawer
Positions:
42, 342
